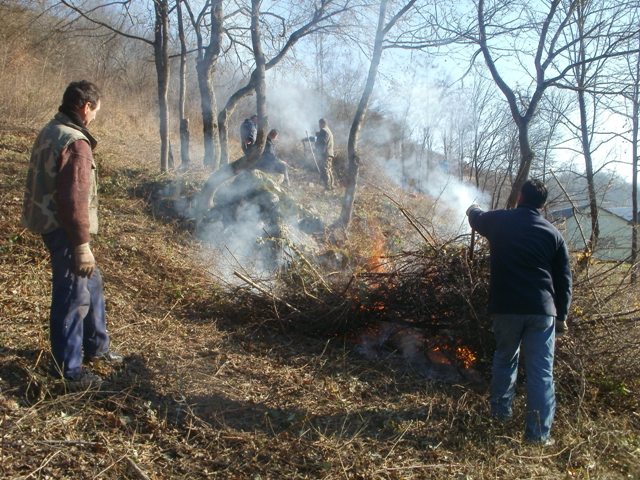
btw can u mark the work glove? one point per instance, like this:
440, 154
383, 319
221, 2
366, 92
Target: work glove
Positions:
83, 261
561, 328
471, 207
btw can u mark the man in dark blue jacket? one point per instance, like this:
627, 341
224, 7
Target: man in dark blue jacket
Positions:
529, 297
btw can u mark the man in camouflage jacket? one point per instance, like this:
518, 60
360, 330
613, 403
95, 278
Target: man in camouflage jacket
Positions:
324, 149
61, 204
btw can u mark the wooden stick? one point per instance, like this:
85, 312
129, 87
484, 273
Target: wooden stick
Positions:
263, 290
313, 155
421, 231
311, 267
473, 244
136, 468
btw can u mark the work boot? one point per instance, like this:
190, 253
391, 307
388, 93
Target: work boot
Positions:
540, 442
84, 380
109, 357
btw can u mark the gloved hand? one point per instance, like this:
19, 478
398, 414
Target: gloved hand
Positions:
472, 206
83, 261
561, 328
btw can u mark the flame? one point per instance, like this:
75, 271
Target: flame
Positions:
378, 306
436, 355
466, 356
442, 354
378, 249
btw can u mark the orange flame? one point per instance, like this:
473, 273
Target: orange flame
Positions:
466, 356
378, 249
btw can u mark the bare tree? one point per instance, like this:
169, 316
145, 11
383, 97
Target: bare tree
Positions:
209, 20
159, 43
161, 56
184, 121
501, 30
631, 96
323, 17
353, 158
521, 118
635, 139
597, 39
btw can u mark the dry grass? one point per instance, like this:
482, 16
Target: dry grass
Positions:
218, 382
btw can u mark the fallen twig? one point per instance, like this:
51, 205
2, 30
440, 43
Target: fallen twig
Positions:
263, 290
136, 468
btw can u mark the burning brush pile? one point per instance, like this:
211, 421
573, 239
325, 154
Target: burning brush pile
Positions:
424, 309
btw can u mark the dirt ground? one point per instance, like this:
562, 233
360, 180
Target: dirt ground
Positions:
209, 389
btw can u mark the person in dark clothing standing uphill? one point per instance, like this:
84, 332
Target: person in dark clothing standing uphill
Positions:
248, 133
530, 294
61, 204
269, 162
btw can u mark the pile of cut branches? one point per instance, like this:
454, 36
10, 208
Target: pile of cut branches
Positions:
437, 290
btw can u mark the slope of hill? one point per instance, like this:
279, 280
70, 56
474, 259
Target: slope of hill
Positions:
212, 387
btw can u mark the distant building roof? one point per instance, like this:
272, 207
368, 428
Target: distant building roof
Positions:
625, 213
567, 212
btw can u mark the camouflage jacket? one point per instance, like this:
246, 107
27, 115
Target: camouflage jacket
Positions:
41, 211
324, 142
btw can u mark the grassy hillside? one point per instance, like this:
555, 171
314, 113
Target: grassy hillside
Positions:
218, 384
229, 378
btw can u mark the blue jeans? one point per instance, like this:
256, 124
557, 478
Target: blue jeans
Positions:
536, 334
77, 320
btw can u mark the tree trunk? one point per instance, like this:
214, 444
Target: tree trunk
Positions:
205, 68
635, 119
160, 47
184, 122
260, 73
588, 164
581, 75
358, 119
526, 158
227, 111
207, 105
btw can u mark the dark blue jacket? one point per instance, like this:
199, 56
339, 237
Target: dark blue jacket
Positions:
530, 268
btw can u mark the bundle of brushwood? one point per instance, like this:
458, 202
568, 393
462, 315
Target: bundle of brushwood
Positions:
437, 291
442, 293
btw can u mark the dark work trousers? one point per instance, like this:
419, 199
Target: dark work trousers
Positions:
78, 319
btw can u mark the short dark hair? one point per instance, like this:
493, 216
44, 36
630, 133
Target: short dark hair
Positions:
79, 93
272, 133
534, 193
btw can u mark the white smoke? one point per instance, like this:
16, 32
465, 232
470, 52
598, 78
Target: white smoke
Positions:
236, 243
253, 228
293, 110
450, 196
